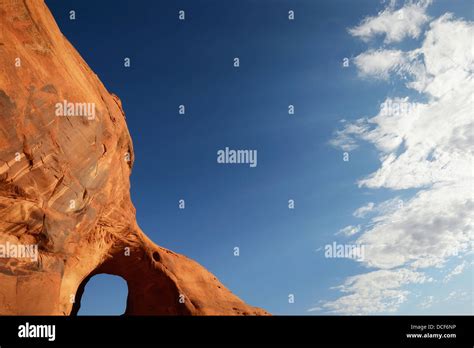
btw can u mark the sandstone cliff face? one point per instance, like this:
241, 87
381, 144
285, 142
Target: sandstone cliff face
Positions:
64, 186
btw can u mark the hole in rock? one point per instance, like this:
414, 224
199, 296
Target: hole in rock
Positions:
156, 256
104, 294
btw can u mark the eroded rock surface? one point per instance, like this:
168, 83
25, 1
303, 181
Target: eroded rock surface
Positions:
64, 186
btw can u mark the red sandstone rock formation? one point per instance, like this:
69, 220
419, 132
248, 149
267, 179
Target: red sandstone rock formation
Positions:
64, 186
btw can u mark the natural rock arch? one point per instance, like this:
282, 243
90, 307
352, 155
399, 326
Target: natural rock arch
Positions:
64, 186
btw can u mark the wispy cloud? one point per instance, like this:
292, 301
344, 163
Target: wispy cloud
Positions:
364, 210
374, 292
349, 230
427, 302
456, 271
380, 63
394, 24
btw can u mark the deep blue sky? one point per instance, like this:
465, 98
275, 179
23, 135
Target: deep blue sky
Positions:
282, 62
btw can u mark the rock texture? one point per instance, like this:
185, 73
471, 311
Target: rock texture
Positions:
64, 186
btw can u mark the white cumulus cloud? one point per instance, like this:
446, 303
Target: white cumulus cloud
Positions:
426, 145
